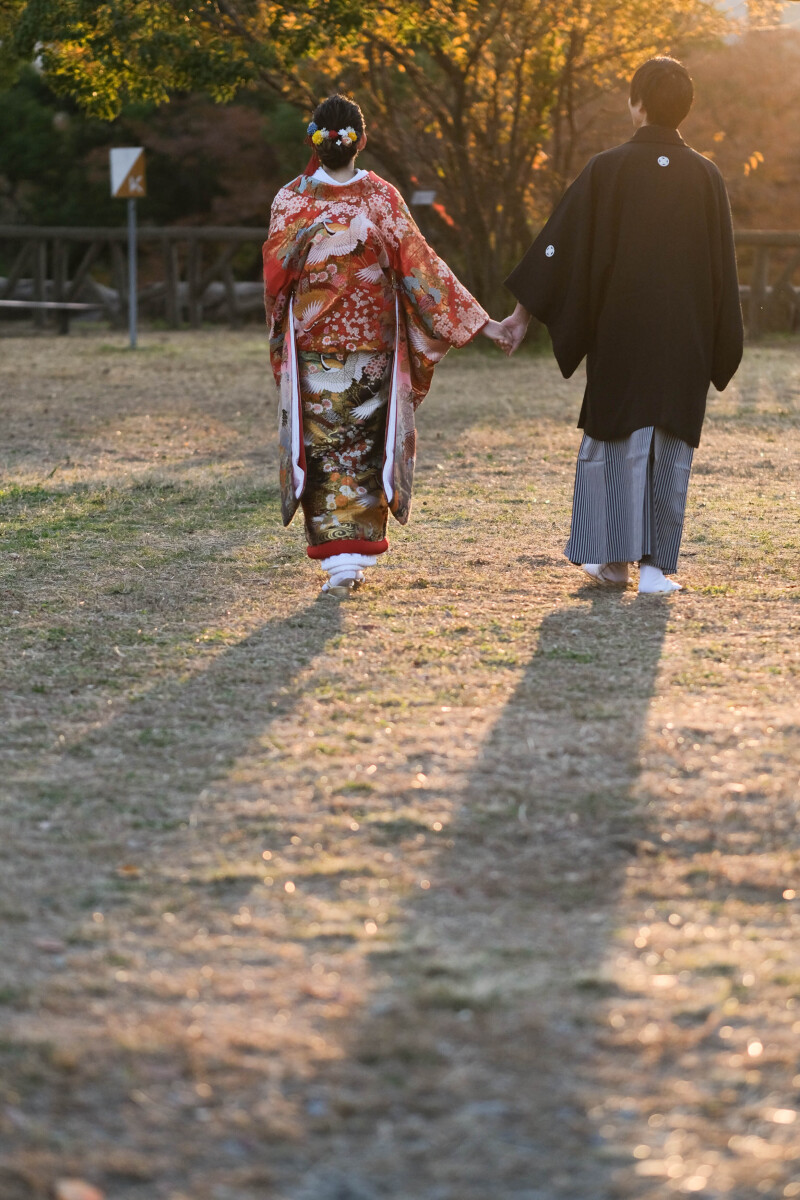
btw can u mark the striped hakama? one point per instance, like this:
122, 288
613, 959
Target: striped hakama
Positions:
630, 499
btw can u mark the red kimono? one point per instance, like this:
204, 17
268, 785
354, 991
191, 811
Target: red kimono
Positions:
360, 310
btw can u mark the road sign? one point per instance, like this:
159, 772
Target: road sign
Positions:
128, 183
127, 172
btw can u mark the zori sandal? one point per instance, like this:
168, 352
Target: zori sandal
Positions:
340, 591
608, 574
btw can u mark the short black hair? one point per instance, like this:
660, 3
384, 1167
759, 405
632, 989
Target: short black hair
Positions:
665, 89
338, 112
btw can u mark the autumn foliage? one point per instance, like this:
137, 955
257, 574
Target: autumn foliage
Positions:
485, 103
494, 106
746, 118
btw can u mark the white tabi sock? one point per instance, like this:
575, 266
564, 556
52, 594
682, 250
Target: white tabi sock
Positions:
653, 581
342, 567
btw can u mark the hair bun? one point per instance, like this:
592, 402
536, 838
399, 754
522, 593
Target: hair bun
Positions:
335, 130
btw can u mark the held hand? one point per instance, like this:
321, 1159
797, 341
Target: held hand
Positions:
497, 332
517, 326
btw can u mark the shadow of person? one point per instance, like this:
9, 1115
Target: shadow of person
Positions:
154, 758
482, 1038
130, 794
464, 1079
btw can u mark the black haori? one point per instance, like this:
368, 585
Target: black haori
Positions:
636, 270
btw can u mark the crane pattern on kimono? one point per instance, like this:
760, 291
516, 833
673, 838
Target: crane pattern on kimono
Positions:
335, 239
337, 377
361, 280
344, 252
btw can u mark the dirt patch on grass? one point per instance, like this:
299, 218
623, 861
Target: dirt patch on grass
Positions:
484, 885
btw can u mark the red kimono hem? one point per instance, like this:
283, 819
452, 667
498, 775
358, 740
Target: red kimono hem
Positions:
348, 546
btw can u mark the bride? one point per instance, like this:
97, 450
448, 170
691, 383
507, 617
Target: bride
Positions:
360, 309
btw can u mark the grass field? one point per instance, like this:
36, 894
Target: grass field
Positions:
481, 887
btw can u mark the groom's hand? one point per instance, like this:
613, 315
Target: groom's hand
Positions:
517, 326
500, 335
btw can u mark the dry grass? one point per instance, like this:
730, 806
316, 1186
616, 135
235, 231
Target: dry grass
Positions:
479, 888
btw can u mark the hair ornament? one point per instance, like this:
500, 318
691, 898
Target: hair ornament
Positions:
341, 137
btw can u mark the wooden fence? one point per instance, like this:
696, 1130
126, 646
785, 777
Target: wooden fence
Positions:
197, 268
770, 298
64, 264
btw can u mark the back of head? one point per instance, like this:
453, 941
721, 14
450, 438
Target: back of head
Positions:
665, 90
335, 129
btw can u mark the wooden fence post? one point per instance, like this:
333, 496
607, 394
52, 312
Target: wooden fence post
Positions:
39, 280
234, 316
172, 278
60, 271
758, 293
194, 273
82, 271
19, 265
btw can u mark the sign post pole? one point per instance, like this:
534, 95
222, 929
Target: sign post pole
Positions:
128, 182
132, 280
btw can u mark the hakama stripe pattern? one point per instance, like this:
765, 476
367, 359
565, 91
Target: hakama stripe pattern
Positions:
630, 500
361, 279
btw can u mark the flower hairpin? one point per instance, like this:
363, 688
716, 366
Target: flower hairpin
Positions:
340, 137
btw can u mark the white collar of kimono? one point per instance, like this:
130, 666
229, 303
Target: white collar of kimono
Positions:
322, 176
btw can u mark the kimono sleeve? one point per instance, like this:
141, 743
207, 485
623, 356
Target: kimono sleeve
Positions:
276, 255
279, 273
431, 293
553, 281
728, 325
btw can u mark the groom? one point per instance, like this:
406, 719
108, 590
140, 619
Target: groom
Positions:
636, 271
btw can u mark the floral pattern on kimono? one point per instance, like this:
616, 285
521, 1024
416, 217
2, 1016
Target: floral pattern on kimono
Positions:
351, 265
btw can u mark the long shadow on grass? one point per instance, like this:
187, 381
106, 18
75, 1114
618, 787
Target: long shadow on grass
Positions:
484, 1039
118, 805
463, 1080
149, 764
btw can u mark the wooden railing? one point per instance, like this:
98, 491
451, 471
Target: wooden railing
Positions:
197, 272
770, 298
65, 263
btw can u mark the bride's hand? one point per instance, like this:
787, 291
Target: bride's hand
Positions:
500, 335
517, 326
